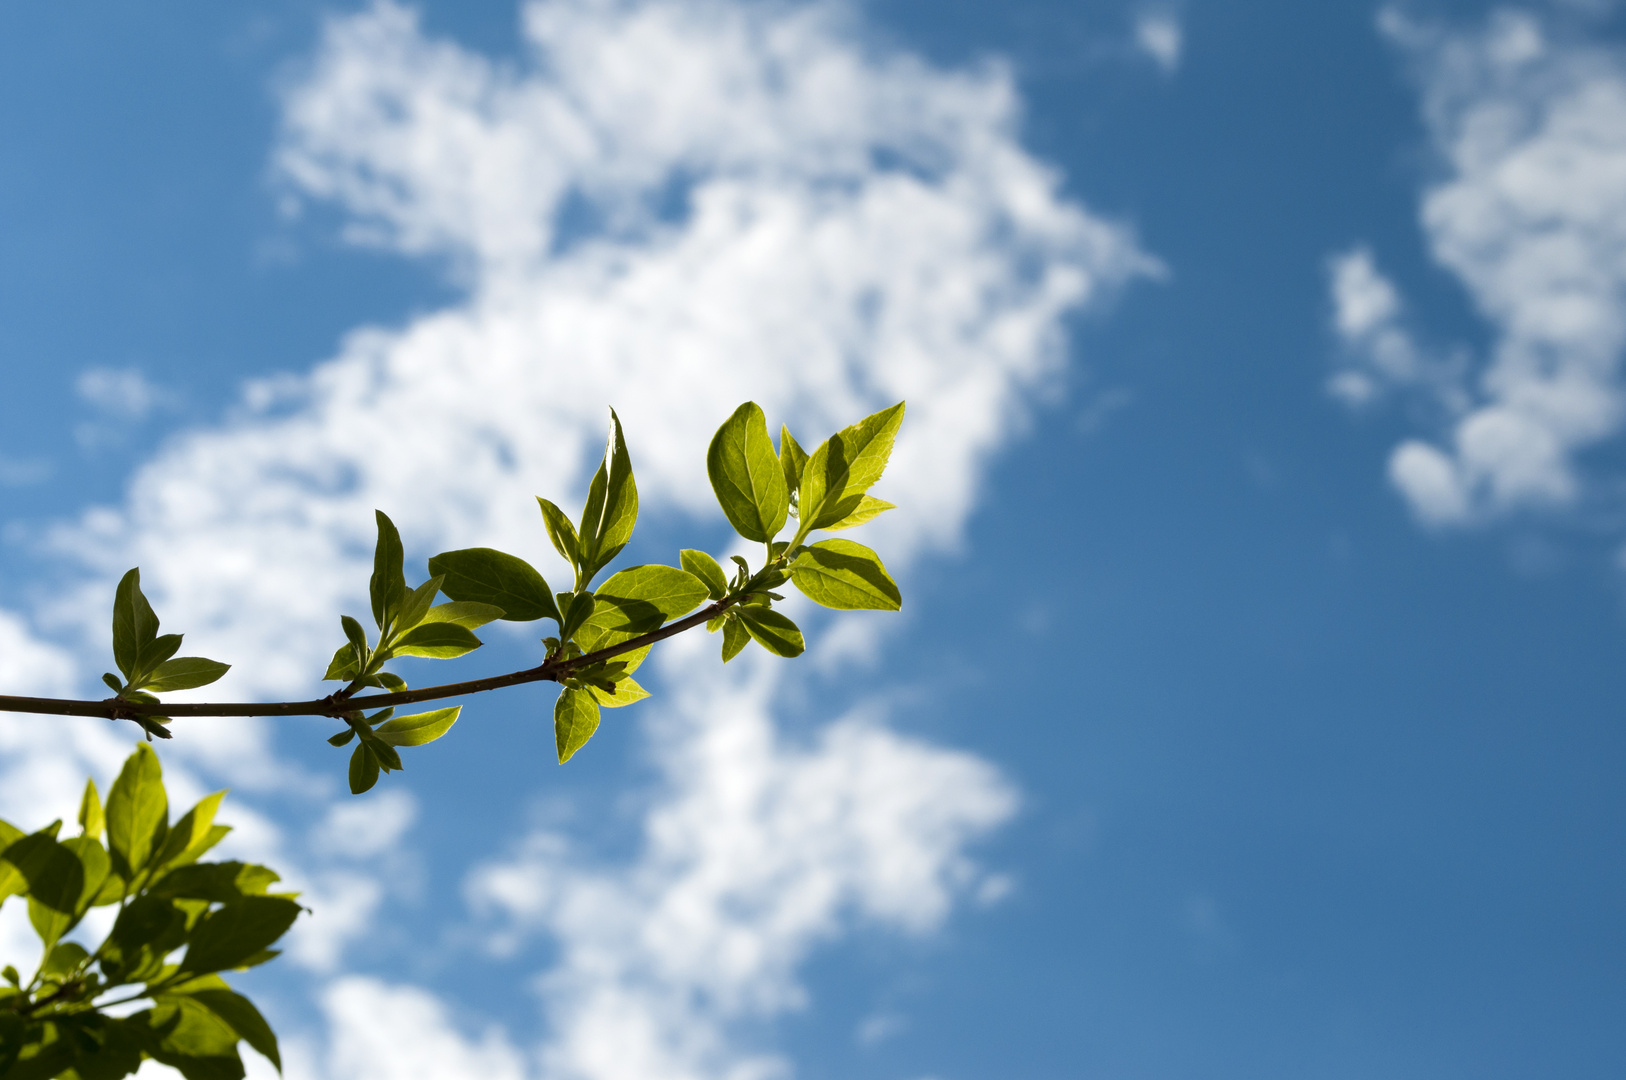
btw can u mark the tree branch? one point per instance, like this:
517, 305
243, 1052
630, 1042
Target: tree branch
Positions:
336, 705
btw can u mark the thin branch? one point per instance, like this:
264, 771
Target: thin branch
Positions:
336, 705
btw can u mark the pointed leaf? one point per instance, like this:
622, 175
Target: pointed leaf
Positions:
183, 673
638, 600
134, 623
771, 630
735, 637
91, 818
193, 828
465, 613
415, 606
705, 568
343, 666
156, 651
244, 1019
746, 475
612, 506
492, 577
575, 718
419, 729
868, 508
627, 691
438, 641
236, 931
792, 460
846, 576
137, 812
844, 467
388, 584
561, 532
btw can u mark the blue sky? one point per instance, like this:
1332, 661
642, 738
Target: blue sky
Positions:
1253, 708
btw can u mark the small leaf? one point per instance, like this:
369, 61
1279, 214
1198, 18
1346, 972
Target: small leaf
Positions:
387, 587
237, 930
578, 609
156, 652
735, 637
357, 638
64, 958
438, 641
114, 683
868, 508
134, 623
705, 568
746, 475
492, 577
561, 532
343, 666
626, 692
575, 718
382, 752
611, 510
183, 673
465, 613
137, 812
419, 729
342, 738
363, 769
771, 630
91, 818
845, 576
415, 606
193, 828
844, 467
792, 460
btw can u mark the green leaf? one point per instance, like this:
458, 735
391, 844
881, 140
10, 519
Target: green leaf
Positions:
192, 1039
705, 568
611, 510
61, 893
134, 623
844, 467
244, 1019
627, 691
219, 882
561, 532
158, 650
637, 600
735, 637
438, 641
575, 718
492, 577
343, 666
771, 630
382, 752
746, 475
578, 608
91, 818
415, 606
792, 460
465, 613
868, 508
846, 576
183, 673
388, 584
64, 958
137, 812
357, 638
193, 828
419, 729
27, 859
237, 931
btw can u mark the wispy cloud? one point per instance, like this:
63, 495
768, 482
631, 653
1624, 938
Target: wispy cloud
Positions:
669, 206
1160, 36
1531, 217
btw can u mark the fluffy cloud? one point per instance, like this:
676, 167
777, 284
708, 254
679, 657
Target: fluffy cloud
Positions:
668, 206
1531, 217
1160, 36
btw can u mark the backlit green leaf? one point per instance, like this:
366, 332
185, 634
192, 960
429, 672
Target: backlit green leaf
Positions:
237, 930
134, 623
465, 613
388, 584
771, 630
27, 859
792, 460
611, 510
343, 666
183, 673
846, 576
746, 475
561, 532
735, 637
70, 879
705, 568
637, 600
192, 1039
439, 641
844, 467
244, 1019
220, 882
418, 729
415, 606
575, 718
193, 828
137, 812
627, 691
868, 508
155, 652
91, 818
363, 769
493, 577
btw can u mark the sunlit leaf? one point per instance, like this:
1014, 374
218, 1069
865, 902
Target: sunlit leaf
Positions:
235, 931
705, 568
771, 630
387, 586
486, 576
439, 641
575, 718
746, 475
846, 576
137, 812
419, 729
183, 673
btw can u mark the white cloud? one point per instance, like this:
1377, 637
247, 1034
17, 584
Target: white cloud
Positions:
1161, 37
1531, 217
779, 211
123, 393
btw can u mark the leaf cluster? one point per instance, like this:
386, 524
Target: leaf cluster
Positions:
221, 914
147, 659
